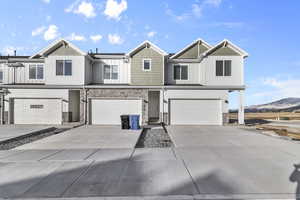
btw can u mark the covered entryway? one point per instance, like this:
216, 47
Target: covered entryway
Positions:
108, 111
153, 106
195, 112
36, 111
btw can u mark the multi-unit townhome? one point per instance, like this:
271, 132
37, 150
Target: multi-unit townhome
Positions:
62, 84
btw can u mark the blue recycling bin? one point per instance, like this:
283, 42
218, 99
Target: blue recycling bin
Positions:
134, 122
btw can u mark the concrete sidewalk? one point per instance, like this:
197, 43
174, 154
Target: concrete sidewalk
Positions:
88, 137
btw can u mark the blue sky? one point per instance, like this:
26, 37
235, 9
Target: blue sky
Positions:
267, 29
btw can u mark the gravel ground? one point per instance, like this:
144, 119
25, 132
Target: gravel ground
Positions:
13, 143
154, 138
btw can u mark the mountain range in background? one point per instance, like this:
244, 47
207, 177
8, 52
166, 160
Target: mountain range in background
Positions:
290, 104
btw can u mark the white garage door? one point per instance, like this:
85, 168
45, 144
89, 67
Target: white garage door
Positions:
106, 111
195, 112
37, 111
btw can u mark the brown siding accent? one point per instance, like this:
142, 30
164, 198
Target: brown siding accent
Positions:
64, 51
193, 52
153, 77
224, 51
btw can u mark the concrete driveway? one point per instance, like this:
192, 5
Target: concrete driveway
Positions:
229, 160
11, 131
88, 137
208, 162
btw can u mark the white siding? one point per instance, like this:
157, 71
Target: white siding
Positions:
237, 71
193, 74
88, 71
78, 71
98, 71
21, 74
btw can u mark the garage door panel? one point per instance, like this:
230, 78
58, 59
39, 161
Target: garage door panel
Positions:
195, 112
37, 111
107, 112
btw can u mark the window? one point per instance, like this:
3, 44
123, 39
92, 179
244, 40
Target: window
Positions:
36, 71
36, 106
180, 72
227, 69
1, 76
64, 68
147, 64
111, 72
223, 68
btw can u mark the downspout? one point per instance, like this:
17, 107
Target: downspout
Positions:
84, 105
163, 106
2, 107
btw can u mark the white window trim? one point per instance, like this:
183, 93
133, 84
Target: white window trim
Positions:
110, 73
64, 67
36, 71
223, 61
149, 59
180, 72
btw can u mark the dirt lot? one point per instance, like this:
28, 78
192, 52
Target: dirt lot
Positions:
269, 115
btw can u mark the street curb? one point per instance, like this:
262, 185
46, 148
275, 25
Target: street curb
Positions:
34, 133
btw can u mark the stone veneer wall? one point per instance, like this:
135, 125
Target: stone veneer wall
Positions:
116, 93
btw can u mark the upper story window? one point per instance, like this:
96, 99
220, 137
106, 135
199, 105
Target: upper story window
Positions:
223, 68
111, 72
36, 71
180, 72
147, 64
1, 76
63, 67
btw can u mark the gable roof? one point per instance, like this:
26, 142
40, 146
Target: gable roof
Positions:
55, 45
227, 43
147, 43
198, 41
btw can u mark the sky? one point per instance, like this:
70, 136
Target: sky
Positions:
269, 30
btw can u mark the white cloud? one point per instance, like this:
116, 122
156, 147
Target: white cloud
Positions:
46, 1
96, 38
115, 39
48, 18
215, 3
230, 24
178, 18
82, 7
75, 37
197, 10
51, 33
38, 31
151, 34
113, 9
9, 50
282, 88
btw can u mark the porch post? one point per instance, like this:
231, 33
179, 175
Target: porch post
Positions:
241, 117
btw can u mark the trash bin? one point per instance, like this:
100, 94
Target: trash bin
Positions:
125, 122
134, 122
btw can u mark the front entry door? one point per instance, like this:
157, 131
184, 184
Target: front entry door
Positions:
153, 106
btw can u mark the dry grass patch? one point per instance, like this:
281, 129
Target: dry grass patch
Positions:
293, 133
